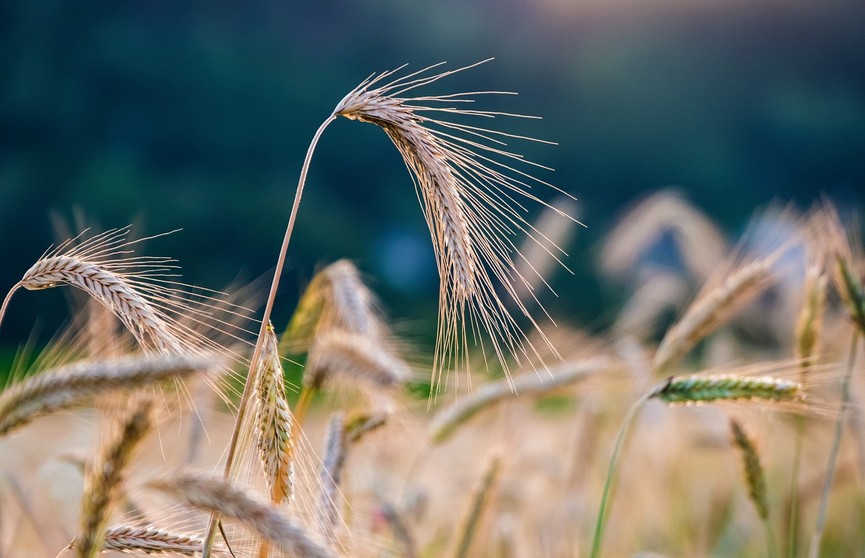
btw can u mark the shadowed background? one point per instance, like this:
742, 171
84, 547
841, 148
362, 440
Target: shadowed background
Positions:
196, 115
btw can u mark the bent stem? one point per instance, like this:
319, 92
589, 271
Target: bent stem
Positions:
210, 533
814, 551
608, 483
7, 299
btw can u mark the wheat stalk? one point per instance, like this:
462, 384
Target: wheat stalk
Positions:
66, 386
704, 388
103, 481
471, 228
248, 508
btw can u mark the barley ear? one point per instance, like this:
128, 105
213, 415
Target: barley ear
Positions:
273, 422
705, 388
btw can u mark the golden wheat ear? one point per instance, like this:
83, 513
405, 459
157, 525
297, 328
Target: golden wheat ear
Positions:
472, 190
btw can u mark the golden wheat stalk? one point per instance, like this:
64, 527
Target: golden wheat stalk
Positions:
104, 480
705, 388
247, 508
470, 208
273, 422
66, 386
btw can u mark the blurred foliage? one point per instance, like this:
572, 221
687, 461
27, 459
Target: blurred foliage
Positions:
197, 115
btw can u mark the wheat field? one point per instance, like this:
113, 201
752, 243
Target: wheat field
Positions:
719, 415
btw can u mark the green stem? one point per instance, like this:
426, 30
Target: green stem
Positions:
210, 533
602, 512
793, 521
814, 551
771, 549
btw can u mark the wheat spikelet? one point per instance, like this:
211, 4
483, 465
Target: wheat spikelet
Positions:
712, 308
151, 540
103, 481
468, 199
66, 386
273, 422
331, 477
248, 509
754, 477
705, 388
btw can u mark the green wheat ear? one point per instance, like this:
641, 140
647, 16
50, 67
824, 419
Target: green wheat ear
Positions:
700, 388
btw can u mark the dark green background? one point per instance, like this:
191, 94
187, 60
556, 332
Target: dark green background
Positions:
198, 114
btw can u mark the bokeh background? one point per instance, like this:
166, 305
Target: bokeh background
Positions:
197, 114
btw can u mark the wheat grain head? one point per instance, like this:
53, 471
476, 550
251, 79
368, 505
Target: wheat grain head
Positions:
468, 184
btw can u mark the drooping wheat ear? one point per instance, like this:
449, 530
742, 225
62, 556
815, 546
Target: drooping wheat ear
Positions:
340, 353
712, 307
247, 508
754, 477
331, 478
468, 191
705, 388
134, 539
449, 419
273, 422
66, 386
104, 480
98, 267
